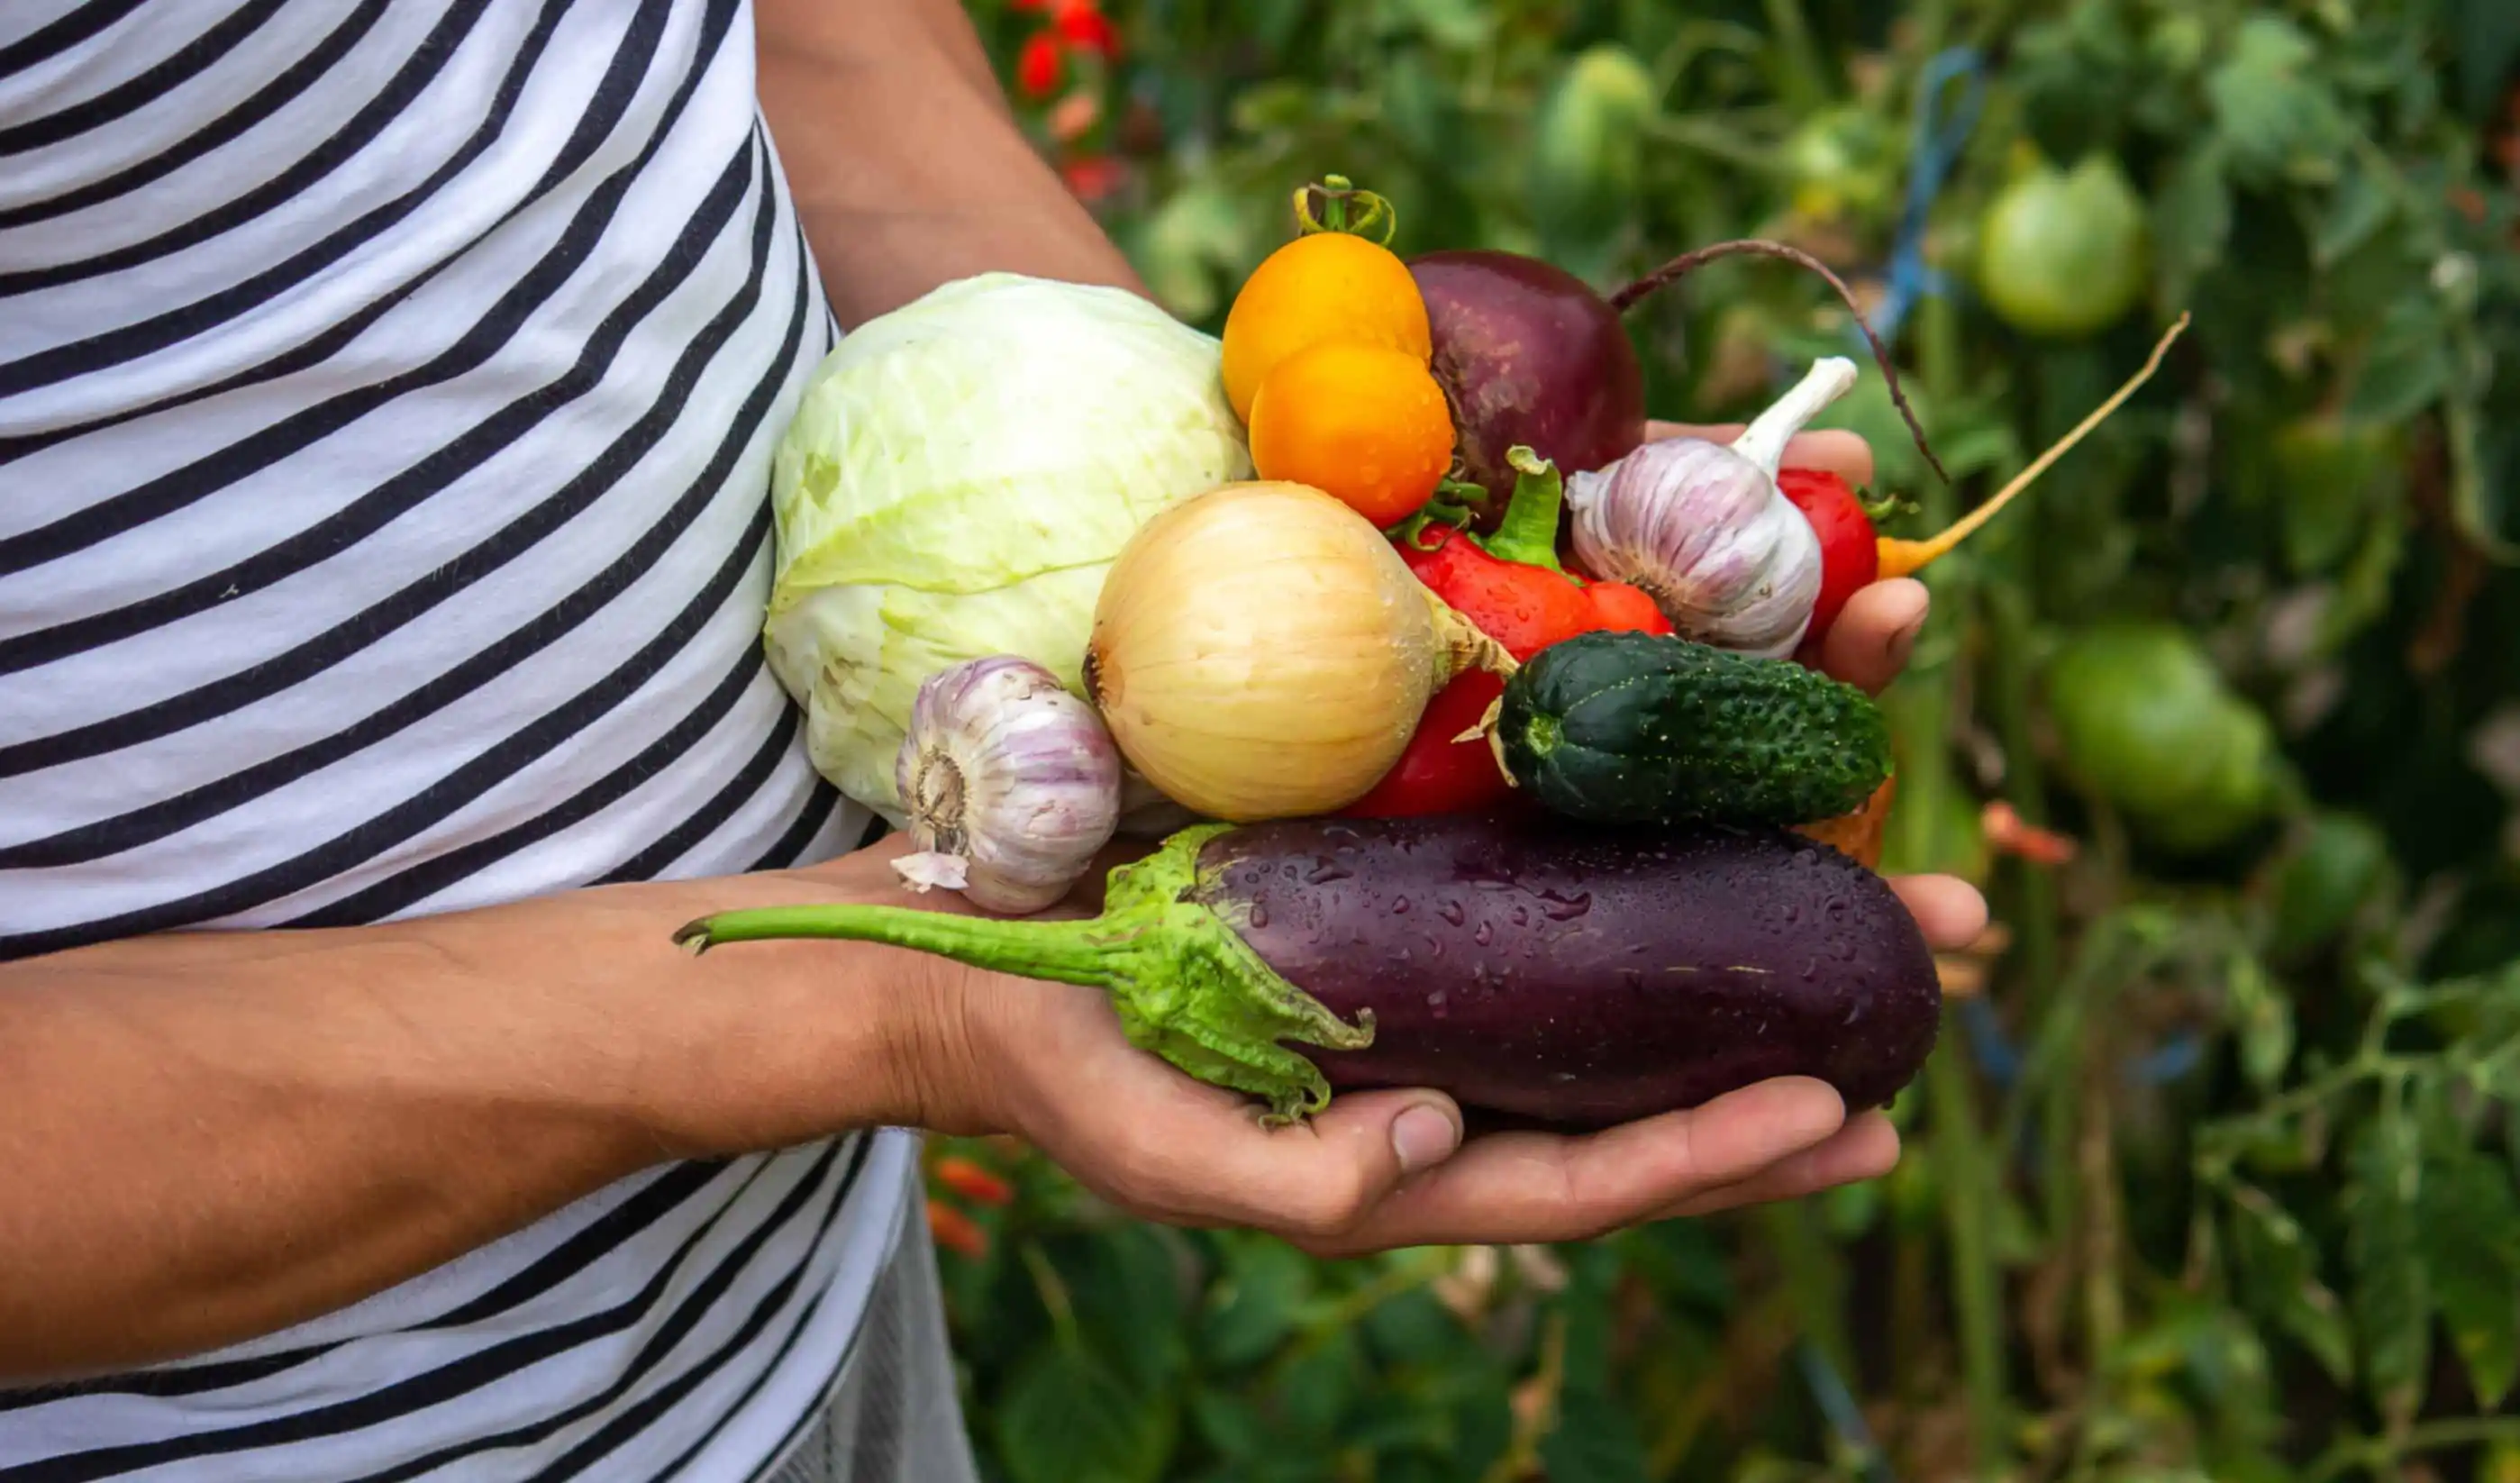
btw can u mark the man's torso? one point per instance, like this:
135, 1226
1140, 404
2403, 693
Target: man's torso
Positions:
387, 395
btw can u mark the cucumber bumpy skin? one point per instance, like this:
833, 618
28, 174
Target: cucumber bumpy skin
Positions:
1621, 727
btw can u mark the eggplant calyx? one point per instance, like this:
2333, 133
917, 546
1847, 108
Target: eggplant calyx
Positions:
1185, 984
1200, 998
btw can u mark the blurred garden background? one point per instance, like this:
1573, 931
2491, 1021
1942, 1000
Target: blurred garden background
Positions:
2213, 1174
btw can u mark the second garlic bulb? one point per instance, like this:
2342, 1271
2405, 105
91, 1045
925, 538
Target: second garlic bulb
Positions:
1011, 785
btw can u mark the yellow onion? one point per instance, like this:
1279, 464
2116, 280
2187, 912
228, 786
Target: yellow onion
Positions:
1261, 652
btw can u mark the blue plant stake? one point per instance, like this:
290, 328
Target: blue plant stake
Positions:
1937, 148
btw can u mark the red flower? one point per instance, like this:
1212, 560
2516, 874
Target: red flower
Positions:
1084, 25
1073, 116
956, 1232
1043, 62
1094, 176
971, 1181
2009, 833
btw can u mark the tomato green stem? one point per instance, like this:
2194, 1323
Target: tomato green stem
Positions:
1327, 207
1185, 984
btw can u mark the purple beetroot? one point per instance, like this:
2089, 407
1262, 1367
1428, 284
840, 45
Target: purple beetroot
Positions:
1528, 353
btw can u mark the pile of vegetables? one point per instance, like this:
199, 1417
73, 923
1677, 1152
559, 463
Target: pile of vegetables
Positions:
1483, 730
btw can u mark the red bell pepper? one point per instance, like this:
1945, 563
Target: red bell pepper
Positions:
1513, 588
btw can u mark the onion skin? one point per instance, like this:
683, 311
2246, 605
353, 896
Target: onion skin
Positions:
1262, 652
1528, 353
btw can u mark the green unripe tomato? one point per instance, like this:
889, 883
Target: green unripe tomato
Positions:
2341, 861
2148, 723
2064, 253
2329, 473
1587, 155
1840, 162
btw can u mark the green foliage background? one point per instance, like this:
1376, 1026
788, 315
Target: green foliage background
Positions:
2214, 1179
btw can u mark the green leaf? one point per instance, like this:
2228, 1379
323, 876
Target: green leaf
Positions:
2278, 1277
1230, 1424
1255, 1307
2191, 223
1316, 1390
1463, 24
2392, 1298
2266, 1022
2277, 119
1413, 1328
2471, 1228
1596, 1441
1129, 1303
1592, 1270
2358, 206
2488, 42
2406, 367
1067, 1418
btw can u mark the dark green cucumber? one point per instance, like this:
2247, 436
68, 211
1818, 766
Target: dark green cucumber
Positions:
1625, 726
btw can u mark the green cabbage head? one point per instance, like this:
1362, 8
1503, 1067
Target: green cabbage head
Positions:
957, 478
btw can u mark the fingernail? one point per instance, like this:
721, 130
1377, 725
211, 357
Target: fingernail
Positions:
1422, 1135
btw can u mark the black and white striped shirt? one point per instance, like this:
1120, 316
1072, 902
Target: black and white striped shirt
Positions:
387, 401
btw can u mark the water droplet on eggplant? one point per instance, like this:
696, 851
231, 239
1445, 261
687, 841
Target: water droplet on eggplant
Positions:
1559, 907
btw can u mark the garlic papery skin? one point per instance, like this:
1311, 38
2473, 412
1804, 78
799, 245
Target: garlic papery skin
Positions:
1010, 785
1702, 528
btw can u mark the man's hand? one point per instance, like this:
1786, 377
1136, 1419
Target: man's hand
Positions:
1390, 1168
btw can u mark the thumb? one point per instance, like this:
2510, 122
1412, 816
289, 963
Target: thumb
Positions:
1323, 1177
1196, 1154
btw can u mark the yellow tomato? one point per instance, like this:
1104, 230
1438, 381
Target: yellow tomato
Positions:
1323, 285
1361, 423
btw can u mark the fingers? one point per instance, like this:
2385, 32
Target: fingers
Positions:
1532, 1187
1949, 911
1844, 454
1874, 633
1165, 1146
1379, 1170
1866, 1147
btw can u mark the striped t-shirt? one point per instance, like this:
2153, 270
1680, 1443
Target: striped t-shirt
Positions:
387, 401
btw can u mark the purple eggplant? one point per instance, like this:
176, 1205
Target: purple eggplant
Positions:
1557, 975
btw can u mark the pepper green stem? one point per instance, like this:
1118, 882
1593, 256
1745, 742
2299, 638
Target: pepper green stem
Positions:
1185, 984
1528, 533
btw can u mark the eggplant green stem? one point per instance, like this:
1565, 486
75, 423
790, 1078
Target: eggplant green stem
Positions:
1185, 984
1528, 533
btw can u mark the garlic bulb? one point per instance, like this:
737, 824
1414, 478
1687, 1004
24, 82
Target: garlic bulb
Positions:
1011, 785
1702, 528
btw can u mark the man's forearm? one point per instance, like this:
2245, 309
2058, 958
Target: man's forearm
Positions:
909, 172
211, 1136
